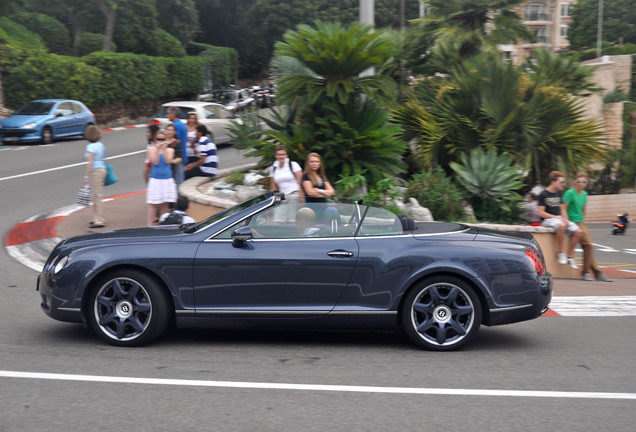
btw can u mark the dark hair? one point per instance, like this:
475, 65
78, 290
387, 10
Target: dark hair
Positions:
174, 110
182, 203
201, 128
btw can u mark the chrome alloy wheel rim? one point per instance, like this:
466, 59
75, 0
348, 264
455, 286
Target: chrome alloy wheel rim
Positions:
443, 314
122, 309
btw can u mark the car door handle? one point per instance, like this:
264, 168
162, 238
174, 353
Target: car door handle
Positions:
340, 253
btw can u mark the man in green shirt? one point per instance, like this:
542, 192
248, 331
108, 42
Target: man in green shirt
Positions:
574, 201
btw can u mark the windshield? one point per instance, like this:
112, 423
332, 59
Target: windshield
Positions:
35, 108
223, 96
227, 213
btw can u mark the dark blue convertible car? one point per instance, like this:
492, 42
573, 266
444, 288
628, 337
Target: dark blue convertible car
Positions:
326, 266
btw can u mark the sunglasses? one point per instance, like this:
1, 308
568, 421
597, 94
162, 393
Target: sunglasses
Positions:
161, 139
581, 181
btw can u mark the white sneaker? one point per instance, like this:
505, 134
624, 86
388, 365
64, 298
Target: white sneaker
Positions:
572, 263
587, 277
603, 278
563, 258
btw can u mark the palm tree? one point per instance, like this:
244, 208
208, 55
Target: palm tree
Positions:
329, 61
470, 25
487, 103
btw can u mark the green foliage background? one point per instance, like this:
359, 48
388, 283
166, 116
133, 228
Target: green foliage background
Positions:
99, 78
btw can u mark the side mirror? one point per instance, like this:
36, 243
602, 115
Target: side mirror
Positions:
241, 235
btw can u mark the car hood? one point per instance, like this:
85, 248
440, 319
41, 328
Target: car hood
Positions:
20, 120
131, 235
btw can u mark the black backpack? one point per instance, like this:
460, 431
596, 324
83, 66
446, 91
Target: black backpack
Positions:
173, 218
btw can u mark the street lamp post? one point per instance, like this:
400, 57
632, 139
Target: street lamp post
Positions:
599, 33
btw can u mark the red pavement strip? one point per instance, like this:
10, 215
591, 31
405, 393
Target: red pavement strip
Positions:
41, 229
26, 232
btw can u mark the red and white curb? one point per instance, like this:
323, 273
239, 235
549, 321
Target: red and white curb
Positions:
606, 306
30, 242
121, 128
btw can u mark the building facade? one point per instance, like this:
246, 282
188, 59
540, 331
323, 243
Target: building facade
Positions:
549, 20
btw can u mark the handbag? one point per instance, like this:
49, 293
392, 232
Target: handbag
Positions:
84, 196
110, 173
110, 176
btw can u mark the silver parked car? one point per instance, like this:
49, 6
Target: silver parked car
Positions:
214, 116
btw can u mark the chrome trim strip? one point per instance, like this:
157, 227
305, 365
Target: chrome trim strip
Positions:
69, 309
283, 239
363, 313
293, 312
511, 308
260, 312
446, 233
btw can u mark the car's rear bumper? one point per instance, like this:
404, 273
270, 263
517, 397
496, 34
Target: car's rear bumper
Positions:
527, 310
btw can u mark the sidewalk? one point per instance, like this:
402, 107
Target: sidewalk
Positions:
129, 211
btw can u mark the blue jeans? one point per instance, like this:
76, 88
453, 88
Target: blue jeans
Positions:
179, 174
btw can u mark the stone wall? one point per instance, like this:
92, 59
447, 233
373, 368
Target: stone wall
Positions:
610, 73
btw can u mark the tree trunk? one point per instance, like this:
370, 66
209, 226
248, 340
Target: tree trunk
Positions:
76, 28
109, 9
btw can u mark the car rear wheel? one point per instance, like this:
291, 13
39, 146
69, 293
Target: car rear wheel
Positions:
442, 313
128, 308
47, 135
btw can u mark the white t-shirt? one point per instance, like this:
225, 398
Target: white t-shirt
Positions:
284, 178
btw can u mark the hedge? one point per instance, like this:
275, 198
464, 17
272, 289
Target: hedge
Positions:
99, 78
224, 60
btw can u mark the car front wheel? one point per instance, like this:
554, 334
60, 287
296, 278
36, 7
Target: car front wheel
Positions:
47, 135
441, 313
128, 308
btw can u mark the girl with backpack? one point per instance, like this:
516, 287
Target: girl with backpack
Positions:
285, 176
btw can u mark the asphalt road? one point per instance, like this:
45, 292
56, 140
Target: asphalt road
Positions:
559, 373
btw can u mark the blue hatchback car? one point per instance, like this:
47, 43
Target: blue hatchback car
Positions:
45, 120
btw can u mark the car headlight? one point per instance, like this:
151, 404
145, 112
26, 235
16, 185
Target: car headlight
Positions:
28, 126
60, 264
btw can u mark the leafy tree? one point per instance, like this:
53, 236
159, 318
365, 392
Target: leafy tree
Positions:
619, 22
329, 61
470, 25
179, 18
485, 102
564, 72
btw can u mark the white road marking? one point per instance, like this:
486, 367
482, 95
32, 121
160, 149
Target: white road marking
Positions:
320, 387
602, 248
66, 166
589, 306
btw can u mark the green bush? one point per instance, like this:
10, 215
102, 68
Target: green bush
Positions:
435, 191
91, 42
167, 45
235, 178
15, 34
224, 62
53, 33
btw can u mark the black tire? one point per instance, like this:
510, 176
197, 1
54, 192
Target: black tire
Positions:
441, 313
128, 308
47, 135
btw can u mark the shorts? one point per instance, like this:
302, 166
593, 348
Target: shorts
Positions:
286, 211
554, 224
